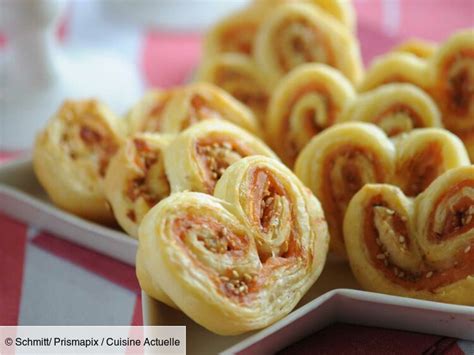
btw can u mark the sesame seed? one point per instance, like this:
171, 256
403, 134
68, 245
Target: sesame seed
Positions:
429, 274
467, 249
224, 278
401, 239
247, 277
380, 256
379, 243
235, 273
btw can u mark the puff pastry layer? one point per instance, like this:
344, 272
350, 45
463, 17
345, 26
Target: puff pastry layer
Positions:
306, 101
298, 33
342, 10
136, 179
243, 258
200, 155
238, 75
451, 71
71, 156
201, 101
421, 248
395, 67
396, 108
341, 160
421, 48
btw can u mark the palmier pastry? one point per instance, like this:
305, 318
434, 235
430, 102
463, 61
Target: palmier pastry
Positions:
341, 160
239, 76
395, 67
421, 248
233, 34
199, 156
421, 48
298, 33
306, 101
451, 70
202, 101
71, 156
341, 10
136, 179
396, 108
241, 259
147, 114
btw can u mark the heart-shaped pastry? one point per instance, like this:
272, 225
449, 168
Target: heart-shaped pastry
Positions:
306, 101
71, 156
149, 166
238, 75
396, 108
296, 33
341, 160
422, 247
241, 259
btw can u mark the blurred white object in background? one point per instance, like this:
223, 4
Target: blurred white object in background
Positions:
175, 15
37, 75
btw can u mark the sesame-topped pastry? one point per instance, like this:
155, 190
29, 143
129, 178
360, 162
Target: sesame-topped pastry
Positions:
239, 76
201, 101
71, 156
306, 101
341, 160
242, 259
396, 108
199, 156
395, 67
422, 247
296, 33
421, 48
136, 179
451, 71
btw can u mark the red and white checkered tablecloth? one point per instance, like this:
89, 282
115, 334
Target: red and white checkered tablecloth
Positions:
49, 281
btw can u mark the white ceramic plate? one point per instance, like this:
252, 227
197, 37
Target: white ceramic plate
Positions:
334, 298
22, 198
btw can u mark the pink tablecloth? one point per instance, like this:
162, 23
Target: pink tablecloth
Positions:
47, 281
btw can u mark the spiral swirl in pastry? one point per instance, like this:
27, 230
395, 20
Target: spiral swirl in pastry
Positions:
147, 114
423, 247
233, 34
240, 260
395, 67
341, 10
136, 179
396, 108
202, 101
71, 156
239, 76
199, 156
298, 33
451, 70
421, 48
341, 160
306, 101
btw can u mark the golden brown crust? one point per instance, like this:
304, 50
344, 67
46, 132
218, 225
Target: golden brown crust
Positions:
136, 179
71, 156
420, 248
241, 260
340, 161
297, 33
